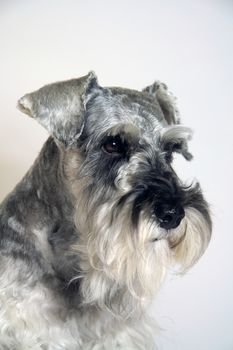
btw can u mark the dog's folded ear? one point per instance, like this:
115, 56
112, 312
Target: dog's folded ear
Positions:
166, 101
60, 107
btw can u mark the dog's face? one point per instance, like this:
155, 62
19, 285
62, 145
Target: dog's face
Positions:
133, 215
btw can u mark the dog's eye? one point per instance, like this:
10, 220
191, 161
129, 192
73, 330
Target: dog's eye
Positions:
115, 145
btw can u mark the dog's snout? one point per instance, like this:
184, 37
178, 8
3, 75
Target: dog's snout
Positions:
168, 216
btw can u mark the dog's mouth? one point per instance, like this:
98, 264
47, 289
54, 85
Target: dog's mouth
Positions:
163, 236
157, 239
175, 235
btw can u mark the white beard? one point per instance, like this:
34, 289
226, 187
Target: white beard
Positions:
122, 267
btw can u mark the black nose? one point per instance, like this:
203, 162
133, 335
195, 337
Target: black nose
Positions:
169, 216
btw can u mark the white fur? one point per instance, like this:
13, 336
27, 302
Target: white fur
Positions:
31, 318
15, 225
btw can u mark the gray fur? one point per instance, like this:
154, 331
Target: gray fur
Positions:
80, 232
60, 107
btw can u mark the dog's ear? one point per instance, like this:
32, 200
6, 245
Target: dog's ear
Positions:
166, 101
60, 107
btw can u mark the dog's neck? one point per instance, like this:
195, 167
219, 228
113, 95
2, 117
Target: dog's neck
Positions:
43, 185
45, 208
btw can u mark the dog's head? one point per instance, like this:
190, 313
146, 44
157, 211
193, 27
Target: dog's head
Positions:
134, 217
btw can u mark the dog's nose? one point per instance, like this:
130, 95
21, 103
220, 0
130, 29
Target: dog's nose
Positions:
169, 216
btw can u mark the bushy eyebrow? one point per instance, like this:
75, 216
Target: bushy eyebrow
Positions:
127, 131
178, 135
125, 128
175, 133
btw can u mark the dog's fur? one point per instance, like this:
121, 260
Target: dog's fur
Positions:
82, 246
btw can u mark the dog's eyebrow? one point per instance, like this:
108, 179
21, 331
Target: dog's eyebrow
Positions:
175, 133
129, 130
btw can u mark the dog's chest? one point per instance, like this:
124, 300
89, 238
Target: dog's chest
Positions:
37, 319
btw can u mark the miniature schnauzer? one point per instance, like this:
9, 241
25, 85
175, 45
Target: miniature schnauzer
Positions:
89, 233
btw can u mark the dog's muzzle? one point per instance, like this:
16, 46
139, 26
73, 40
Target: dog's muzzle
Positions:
164, 198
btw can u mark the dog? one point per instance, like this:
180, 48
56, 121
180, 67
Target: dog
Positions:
90, 232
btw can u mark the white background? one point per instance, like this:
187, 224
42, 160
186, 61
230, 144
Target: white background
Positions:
188, 45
